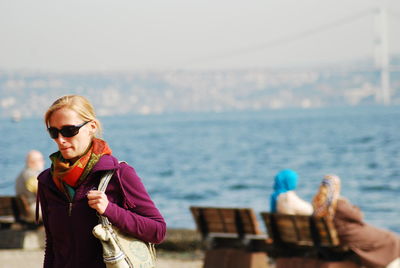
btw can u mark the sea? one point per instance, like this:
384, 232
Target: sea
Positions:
230, 159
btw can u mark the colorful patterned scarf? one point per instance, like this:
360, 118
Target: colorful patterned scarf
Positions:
325, 200
66, 176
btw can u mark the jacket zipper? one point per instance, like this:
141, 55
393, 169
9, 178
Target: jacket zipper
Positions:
68, 199
70, 202
70, 208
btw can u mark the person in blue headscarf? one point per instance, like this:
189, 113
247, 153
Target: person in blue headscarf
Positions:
284, 199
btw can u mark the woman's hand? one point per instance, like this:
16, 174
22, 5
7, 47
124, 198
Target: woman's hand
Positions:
97, 200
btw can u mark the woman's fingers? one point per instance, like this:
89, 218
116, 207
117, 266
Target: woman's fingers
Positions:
97, 200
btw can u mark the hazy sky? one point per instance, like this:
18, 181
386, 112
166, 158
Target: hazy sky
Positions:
102, 35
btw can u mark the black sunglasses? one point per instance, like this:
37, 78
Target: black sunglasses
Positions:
66, 131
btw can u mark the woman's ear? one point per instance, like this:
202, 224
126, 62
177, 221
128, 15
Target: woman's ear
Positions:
93, 127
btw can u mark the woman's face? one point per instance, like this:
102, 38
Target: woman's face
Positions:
72, 148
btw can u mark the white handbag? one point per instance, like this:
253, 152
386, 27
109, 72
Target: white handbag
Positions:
121, 250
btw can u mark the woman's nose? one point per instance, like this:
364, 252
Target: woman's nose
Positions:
60, 139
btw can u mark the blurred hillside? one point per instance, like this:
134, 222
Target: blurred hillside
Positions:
29, 93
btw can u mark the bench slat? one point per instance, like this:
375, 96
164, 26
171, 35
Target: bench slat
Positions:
12, 210
241, 221
291, 229
304, 235
6, 205
327, 233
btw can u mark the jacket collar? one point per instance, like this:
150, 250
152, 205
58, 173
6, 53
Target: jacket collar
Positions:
106, 162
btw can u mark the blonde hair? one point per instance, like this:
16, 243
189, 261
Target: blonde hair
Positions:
77, 103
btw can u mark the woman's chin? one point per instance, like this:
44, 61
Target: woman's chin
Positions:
68, 156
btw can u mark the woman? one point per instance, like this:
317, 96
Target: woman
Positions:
284, 200
67, 190
375, 247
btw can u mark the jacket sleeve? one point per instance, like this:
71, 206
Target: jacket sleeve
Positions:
142, 220
49, 254
347, 211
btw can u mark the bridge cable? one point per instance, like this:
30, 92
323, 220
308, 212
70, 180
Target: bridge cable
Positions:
283, 40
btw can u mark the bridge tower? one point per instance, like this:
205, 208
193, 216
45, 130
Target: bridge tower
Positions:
381, 51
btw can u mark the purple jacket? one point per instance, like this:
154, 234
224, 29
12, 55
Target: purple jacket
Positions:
69, 238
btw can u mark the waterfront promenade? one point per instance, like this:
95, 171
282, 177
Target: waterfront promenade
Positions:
181, 249
17, 258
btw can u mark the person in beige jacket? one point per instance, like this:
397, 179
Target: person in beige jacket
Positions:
26, 183
375, 247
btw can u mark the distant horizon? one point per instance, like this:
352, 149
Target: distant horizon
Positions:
283, 110
160, 92
303, 67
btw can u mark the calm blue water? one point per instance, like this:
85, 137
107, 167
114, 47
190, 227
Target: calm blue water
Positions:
231, 159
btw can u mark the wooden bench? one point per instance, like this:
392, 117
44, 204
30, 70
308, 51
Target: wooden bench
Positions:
233, 237
15, 232
306, 241
9, 212
13, 211
291, 235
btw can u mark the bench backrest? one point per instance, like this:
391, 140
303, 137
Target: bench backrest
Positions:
13, 209
327, 235
8, 209
289, 229
300, 230
234, 221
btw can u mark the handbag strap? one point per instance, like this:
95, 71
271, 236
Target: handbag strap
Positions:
105, 180
102, 187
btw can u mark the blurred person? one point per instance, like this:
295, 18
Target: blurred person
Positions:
26, 183
375, 247
284, 199
67, 191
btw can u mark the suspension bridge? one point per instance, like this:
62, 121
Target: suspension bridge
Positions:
380, 54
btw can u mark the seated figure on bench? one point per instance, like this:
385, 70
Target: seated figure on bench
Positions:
26, 184
284, 199
374, 246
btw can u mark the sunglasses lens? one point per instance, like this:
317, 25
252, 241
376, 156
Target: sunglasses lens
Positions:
66, 131
53, 132
69, 131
